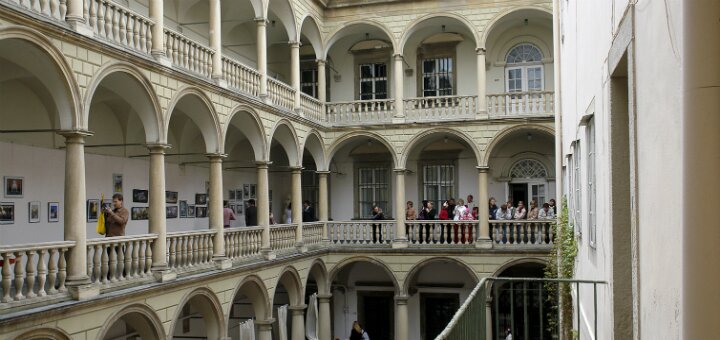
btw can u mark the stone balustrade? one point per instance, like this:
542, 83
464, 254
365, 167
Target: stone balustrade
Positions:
119, 259
361, 232
189, 249
242, 242
282, 236
119, 25
378, 111
521, 103
241, 77
33, 271
55, 9
522, 232
313, 232
188, 54
312, 108
280, 94
442, 233
440, 108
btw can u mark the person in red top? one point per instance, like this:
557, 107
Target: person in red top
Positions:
228, 215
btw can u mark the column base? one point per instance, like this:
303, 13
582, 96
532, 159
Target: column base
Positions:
161, 58
222, 262
220, 81
164, 275
265, 98
83, 291
398, 120
482, 114
400, 243
81, 27
268, 254
484, 244
300, 246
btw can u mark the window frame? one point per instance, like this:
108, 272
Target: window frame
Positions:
382, 56
577, 176
387, 210
524, 67
591, 181
436, 51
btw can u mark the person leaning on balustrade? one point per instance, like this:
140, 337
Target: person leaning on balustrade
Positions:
520, 212
504, 213
546, 213
534, 211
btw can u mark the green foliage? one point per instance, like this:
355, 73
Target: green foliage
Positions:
562, 265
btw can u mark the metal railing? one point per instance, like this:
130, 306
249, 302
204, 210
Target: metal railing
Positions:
473, 321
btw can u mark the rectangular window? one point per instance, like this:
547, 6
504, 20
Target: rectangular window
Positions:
438, 183
570, 170
309, 82
537, 193
437, 77
373, 81
373, 190
592, 223
578, 186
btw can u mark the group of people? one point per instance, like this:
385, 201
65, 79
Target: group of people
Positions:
451, 209
508, 211
308, 214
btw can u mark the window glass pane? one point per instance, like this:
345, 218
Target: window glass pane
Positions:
381, 86
429, 66
380, 70
366, 71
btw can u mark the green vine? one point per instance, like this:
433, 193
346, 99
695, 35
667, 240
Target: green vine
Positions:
562, 265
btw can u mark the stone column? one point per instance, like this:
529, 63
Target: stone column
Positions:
215, 210
400, 240
295, 72
483, 237
701, 163
488, 319
264, 329
298, 322
322, 87
398, 82
323, 195
263, 207
297, 205
401, 317
324, 332
74, 16
157, 215
262, 54
481, 81
75, 224
158, 32
216, 39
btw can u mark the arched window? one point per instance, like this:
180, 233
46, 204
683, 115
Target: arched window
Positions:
528, 168
524, 71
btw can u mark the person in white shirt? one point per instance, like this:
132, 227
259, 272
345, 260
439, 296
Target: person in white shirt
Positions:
504, 213
520, 212
546, 213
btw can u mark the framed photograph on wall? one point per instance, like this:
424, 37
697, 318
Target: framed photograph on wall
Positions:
201, 212
191, 211
246, 191
93, 209
139, 213
140, 196
183, 209
200, 199
34, 211
13, 186
53, 211
231, 195
171, 197
117, 183
171, 211
253, 192
238, 195
7, 213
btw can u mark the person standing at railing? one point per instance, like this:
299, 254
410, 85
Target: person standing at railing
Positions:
520, 212
410, 215
228, 214
534, 212
551, 202
308, 214
288, 213
492, 208
251, 214
461, 213
377, 215
504, 213
116, 218
443, 215
546, 213
470, 202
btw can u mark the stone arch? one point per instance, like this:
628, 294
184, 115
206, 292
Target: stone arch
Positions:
515, 262
339, 143
412, 27
44, 334
152, 327
314, 144
492, 24
338, 33
415, 140
151, 121
285, 11
501, 53
253, 130
290, 279
206, 121
320, 272
419, 266
211, 310
313, 33
69, 100
507, 131
254, 288
289, 141
350, 260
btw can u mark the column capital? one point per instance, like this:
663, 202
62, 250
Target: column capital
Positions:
322, 172
324, 297
263, 164
294, 43
158, 148
400, 171
480, 50
320, 61
75, 134
215, 156
296, 169
483, 168
298, 308
260, 21
401, 299
398, 56
265, 325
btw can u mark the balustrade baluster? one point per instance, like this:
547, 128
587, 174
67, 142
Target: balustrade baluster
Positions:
62, 269
148, 256
31, 274
135, 259
6, 276
52, 272
19, 275
105, 263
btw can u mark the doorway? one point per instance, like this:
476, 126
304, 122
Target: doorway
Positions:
519, 192
437, 309
376, 314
